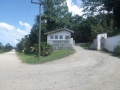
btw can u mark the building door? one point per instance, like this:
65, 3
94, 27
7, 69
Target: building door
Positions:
102, 44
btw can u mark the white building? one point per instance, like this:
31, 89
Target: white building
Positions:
103, 42
60, 39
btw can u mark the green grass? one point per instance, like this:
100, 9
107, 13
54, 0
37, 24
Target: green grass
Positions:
86, 45
2, 51
33, 59
110, 53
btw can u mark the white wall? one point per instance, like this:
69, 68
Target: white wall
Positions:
64, 33
99, 36
94, 44
111, 42
72, 41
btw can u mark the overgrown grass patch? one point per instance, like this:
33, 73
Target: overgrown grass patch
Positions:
110, 53
2, 51
86, 45
33, 59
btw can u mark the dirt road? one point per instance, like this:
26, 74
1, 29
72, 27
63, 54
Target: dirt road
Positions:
84, 70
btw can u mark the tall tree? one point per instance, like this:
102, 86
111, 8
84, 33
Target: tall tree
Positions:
8, 47
114, 6
0, 45
103, 26
55, 12
97, 6
75, 22
92, 7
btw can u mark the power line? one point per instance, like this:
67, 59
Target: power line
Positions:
27, 12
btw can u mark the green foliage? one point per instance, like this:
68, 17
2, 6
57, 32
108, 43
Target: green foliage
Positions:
5, 48
34, 49
84, 30
75, 23
114, 6
91, 7
46, 49
27, 45
56, 14
117, 49
86, 45
24, 45
99, 6
103, 27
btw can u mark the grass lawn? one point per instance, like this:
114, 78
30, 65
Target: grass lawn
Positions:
111, 53
33, 59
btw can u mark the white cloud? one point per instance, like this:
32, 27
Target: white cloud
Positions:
22, 32
10, 34
16, 41
6, 26
27, 26
74, 8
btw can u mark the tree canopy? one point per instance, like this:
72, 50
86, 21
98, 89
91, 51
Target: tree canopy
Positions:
92, 7
114, 6
5, 48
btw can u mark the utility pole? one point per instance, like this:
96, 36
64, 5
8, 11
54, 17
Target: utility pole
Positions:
39, 50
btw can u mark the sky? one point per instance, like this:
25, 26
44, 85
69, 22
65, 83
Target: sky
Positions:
17, 18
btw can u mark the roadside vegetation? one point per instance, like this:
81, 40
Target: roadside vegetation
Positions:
117, 49
86, 45
33, 58
5, 48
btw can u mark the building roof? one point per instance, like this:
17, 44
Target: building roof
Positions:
58, 30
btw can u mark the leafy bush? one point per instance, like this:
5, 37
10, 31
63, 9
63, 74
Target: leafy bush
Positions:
46, 49
34, 49
117, 49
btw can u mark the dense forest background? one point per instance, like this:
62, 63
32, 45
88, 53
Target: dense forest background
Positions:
100, 16
5, 48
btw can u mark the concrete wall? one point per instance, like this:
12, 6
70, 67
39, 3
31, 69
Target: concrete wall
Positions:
111, 42
102, 42
94, 44
62, 44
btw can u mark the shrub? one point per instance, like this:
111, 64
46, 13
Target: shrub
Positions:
117, 49
46, 49
34, 49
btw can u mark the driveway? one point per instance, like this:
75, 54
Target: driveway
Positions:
84, 70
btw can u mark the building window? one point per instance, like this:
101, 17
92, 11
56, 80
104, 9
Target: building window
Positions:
67, 37
61, 36
56, 36
51, 37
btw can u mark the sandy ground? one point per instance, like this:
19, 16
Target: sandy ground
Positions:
84, 70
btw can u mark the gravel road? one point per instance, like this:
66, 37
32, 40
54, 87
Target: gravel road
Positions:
84, 70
